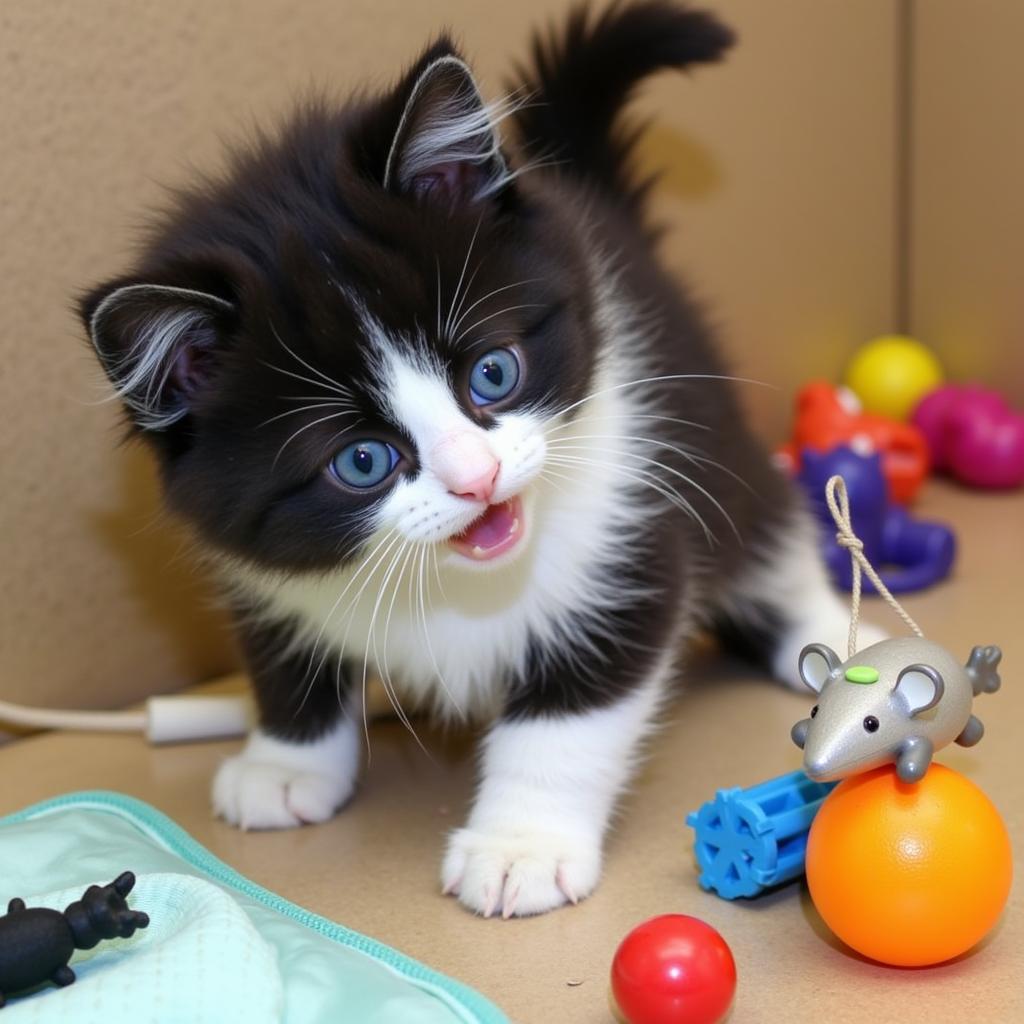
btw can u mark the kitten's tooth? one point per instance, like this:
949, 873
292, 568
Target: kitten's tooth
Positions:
515, 527
478, 551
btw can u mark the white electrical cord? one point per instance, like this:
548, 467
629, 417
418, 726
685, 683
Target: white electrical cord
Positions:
174, 719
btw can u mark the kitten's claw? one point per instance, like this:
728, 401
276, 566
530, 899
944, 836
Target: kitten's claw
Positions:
490, 901
509, 901
563, 884
519, 871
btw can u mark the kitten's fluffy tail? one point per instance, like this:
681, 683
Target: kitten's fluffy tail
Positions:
581, 77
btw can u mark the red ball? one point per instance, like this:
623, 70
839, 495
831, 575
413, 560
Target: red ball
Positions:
673, 969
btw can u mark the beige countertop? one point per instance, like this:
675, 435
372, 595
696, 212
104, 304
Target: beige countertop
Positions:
375, 867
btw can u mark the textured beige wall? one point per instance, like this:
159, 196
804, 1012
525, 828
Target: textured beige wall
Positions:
967, 215
781, 188
778, 196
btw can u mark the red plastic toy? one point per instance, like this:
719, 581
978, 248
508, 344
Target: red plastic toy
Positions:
973, 435
827, 417
673, 969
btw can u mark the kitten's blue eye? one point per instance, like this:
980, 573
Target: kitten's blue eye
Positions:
494, 376
365, 463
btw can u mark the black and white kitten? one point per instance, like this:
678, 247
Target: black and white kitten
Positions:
438, 415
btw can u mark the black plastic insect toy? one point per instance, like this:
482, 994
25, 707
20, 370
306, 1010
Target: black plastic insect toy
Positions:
36, 944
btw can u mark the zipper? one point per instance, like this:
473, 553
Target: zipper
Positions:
469, 1004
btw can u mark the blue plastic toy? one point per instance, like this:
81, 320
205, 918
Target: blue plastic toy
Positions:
750, 839
909, 554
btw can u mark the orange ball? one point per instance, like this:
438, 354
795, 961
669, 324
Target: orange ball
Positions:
909, 873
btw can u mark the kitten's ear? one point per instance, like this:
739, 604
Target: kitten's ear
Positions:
157, 344
446, 144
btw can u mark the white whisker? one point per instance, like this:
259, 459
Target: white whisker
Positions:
388, 688
312, 675
681, 449
696, 456
423, 586
307, 426
305, 380
410, 550
662, 379
484, 319
337, 683
352, 607
462, 275
631, 416
348, 426
648, 479
325, 404
315, 398
550, 475
437, 263
335, 385
491, 294
437, 574
465, 294
668, 469
366, 654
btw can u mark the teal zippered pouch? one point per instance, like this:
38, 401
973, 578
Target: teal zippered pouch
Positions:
219, 948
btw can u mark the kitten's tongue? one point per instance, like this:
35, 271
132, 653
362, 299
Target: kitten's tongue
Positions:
497, 530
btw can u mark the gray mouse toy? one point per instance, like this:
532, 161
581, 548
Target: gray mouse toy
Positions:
896, 701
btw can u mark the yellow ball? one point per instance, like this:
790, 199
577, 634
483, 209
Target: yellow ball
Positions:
891, 374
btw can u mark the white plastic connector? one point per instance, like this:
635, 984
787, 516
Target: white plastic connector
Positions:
179, 719
174, 719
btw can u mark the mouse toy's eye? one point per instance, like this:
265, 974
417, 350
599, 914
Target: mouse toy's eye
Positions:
814, 710
871, 724
364, 464
494, 376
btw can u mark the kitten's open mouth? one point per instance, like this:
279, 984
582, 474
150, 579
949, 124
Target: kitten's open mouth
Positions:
498, 530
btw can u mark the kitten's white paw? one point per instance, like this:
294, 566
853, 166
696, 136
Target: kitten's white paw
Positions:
253, 795
277, 784
519, 872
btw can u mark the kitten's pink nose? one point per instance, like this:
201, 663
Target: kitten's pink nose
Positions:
465, 464
481, 488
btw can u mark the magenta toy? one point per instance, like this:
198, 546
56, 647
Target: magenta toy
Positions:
910, 553
973, 435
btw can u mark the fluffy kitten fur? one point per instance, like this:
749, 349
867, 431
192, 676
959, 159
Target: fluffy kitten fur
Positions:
339, 283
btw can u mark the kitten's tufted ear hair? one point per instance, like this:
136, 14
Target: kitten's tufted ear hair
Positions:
157, 344
446, 143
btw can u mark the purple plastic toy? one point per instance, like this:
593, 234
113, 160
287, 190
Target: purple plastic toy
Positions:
909, 554
973, 435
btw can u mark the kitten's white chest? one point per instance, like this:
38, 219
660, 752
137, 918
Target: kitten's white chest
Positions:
447, 637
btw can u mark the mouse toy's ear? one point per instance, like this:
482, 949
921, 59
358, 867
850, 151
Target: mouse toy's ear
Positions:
919, 687
445, 145
817, 663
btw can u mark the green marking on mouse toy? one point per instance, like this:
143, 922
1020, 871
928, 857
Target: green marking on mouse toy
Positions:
861, 674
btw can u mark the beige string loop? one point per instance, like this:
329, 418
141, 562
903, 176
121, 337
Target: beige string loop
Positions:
839, 505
